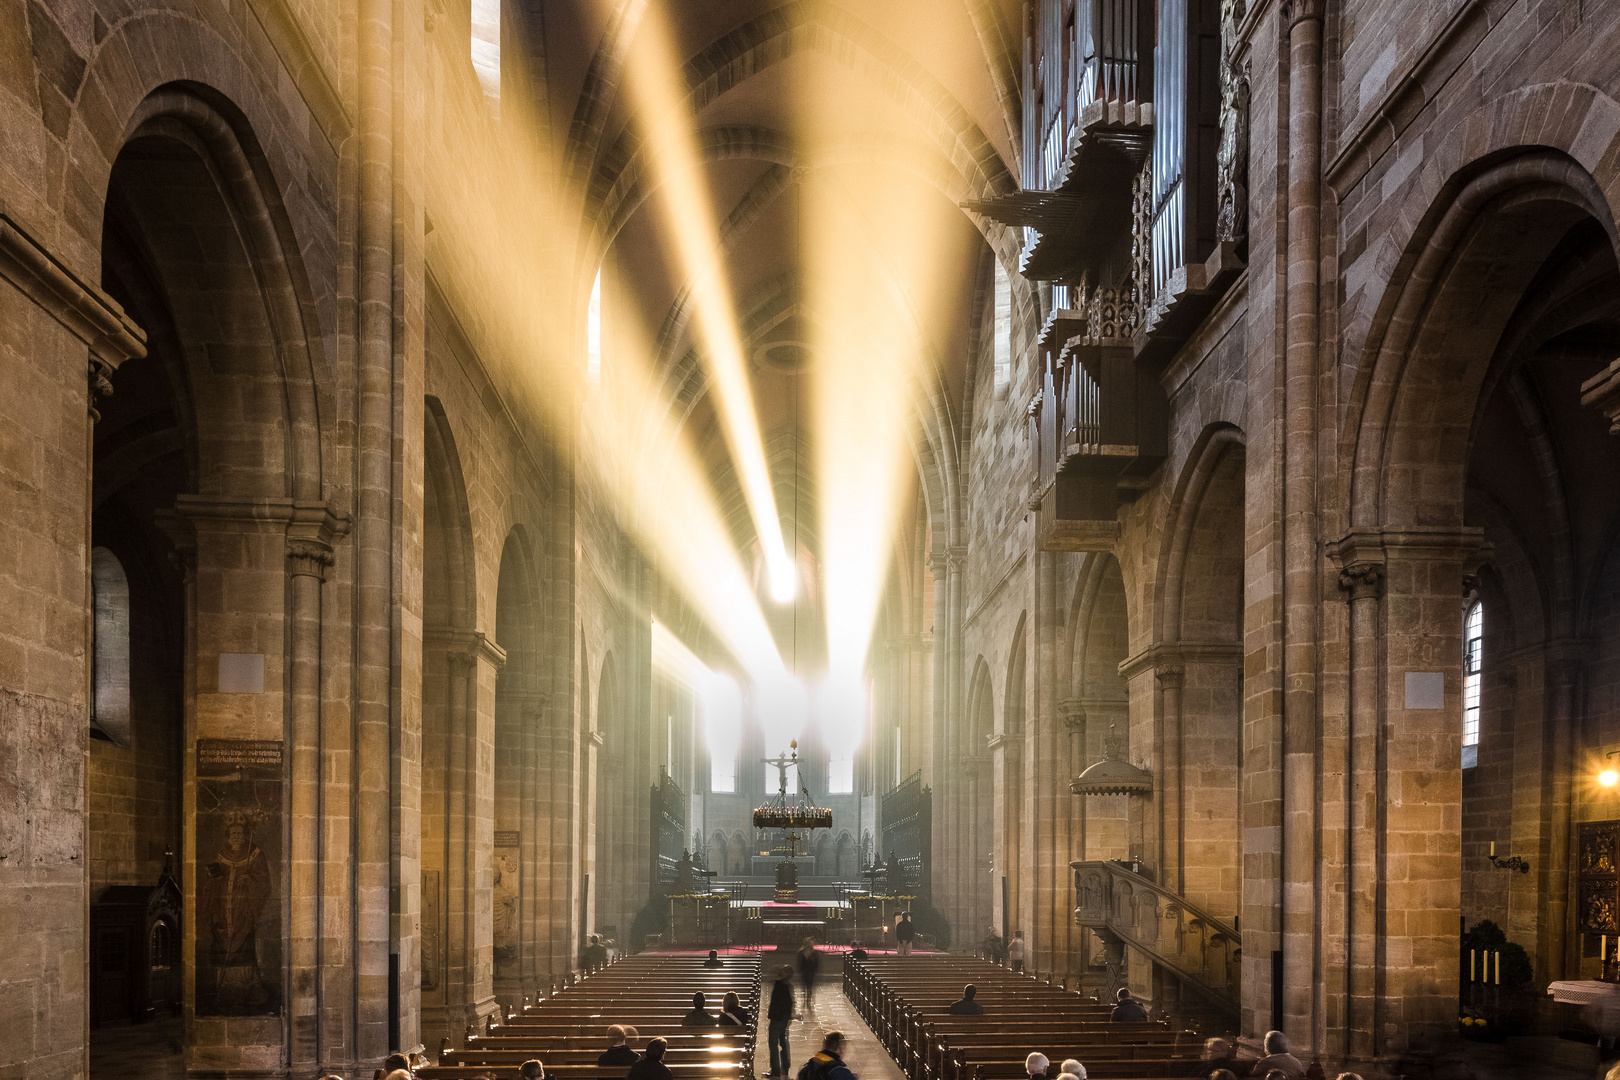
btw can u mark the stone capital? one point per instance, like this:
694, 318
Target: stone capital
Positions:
1362, 580
308, 558
311, 531
464, 648
1170, 676
1294, 12
1072, 711
101, 386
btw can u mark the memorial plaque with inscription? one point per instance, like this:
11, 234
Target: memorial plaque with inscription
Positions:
239, 870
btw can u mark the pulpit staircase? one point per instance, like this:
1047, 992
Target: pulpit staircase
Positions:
1124, 908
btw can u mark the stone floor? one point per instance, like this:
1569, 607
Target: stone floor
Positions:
149, 1051
830, 1011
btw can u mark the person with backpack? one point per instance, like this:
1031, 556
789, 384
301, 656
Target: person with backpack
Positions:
828, 1063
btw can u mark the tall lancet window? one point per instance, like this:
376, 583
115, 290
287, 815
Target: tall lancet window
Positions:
486, 49
1001, 328
1473, 644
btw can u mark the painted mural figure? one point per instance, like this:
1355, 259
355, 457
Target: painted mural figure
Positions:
236, 887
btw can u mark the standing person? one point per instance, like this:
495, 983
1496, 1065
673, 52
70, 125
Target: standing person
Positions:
1015, 951
995, 950
652, 1066
595, 954
780, 1013
904, 932
828, 1063
809, 964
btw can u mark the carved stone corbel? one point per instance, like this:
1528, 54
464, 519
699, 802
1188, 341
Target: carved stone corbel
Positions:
1362, 580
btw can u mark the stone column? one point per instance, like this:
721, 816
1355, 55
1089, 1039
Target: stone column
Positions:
1170, 675
1301, 559
309, 555
1557, 949
1072, 832
1354, 1036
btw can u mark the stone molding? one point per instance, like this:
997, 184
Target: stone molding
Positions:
1073, 713
466, 647
1168, 655
287, 38
1170, 676
84, 309
1377, 547
1602, 392
1002, 739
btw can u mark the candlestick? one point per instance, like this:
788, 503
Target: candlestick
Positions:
1498, 967
1603, 949
1493, 847
1470, 965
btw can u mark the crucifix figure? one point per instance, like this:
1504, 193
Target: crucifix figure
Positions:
782, 761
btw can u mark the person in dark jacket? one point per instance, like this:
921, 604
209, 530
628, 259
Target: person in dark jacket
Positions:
700, 1016
967, 1006
809, 964
532, 1070
714, 960
857, 951
1129, 1010
732, 1013
595, 954
652, 1066
828, 1064
780, 1013
618, 1051
904, 932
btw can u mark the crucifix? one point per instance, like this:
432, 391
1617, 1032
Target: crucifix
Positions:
782, 761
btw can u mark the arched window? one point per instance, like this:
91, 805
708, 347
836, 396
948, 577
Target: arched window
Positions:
109, 656
1473, 642
486, 49
1003, 328
593, 333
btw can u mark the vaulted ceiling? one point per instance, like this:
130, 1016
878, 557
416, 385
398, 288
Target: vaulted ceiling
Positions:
838, 93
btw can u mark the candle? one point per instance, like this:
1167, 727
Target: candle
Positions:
1498, 967
1493, 847
1470, 965
1603, 953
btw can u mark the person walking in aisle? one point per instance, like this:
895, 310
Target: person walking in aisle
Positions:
809, 965
779, 1013
1015, 951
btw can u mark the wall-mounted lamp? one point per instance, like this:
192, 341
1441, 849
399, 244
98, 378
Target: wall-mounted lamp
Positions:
1507, 862
1609, 777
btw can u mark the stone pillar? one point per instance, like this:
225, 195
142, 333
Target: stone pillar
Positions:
1170, 676
1557, 950
1354, 1036
1072, 827
1301, 558
309, 555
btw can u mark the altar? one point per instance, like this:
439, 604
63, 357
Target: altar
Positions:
765, 865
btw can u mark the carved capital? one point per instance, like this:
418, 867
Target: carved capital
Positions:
101, 386
308, 558
1170, 676
1073, 713
1295, 12
1362, 580
465, 648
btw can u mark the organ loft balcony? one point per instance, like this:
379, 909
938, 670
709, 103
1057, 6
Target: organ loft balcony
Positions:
1097, 427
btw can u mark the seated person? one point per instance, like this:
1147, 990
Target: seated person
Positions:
714, 960
1036, 1065
618, 1051
698, 1017
1072, 1067
532, 1070
732, 1013
1279, 1059
857, 951
1218, 1056
967, 1006
1129, 1010
652, 1066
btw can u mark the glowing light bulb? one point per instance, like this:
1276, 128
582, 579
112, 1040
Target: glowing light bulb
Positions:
1609, 778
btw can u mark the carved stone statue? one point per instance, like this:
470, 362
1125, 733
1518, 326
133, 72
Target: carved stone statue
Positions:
1232, 155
